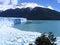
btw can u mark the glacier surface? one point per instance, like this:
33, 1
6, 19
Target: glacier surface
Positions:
13, 36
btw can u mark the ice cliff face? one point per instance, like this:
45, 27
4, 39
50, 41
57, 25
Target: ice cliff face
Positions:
13, 36
7, 21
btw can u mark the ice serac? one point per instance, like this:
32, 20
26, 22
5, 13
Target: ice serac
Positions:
7, 21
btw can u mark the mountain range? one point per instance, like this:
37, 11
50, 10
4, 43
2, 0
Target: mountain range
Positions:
36, 13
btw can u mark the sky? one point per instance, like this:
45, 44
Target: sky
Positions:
53, 4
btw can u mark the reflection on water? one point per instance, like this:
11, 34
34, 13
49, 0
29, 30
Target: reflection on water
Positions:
41, 26
35, 22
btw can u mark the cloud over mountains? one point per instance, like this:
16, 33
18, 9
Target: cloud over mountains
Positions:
23, 5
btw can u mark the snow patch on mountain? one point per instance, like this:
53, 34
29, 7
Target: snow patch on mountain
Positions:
50, 7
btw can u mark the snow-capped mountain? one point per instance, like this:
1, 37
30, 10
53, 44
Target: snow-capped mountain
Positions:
22, 5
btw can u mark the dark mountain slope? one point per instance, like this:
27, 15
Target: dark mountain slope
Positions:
36, 13
44, 13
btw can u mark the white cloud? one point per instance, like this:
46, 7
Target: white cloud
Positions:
1, 0
50, 7
32, 5
5, 7
23, 5
58, 1
6, 2
14, 2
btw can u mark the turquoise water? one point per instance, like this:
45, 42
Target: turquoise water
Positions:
41, 26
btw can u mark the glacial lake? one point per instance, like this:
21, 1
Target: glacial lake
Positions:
41, 26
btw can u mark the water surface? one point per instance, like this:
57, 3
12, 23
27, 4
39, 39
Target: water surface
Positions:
41, 26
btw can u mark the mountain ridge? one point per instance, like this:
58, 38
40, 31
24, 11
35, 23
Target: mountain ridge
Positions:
37, 13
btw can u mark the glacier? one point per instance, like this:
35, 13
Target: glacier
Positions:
13, 36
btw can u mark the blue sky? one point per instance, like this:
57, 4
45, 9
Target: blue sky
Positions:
55, 4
